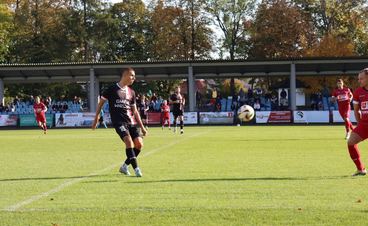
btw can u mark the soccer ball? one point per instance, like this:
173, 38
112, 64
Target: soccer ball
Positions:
245, 113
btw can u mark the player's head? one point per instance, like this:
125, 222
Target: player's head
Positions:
165, 102
363, 77
177, 89
340, 83
128, 76
37, 100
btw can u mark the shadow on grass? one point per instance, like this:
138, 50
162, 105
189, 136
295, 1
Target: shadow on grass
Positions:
49, 178
243, 179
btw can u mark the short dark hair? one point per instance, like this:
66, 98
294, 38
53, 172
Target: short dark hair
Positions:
364, 71
340, 80
124, 70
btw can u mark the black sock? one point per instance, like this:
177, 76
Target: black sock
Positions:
181, 124
131, 157
136, 152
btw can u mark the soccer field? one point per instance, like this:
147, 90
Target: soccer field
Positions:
249, 175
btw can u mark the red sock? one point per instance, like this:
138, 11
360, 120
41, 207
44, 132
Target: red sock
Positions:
347, 125
355, 156
350, 125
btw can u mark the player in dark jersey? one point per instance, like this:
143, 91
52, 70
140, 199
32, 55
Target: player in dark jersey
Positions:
39, 109
343, 96
124, 118
143, 108
360, 132
178, 103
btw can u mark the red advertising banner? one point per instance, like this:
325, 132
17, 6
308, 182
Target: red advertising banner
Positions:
280, 116
153, 118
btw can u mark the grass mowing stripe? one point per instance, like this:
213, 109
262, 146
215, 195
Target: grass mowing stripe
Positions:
71, 182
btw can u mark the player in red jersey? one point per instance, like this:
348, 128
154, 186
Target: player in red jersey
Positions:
165, 114
39, 109
343, 96
360, 132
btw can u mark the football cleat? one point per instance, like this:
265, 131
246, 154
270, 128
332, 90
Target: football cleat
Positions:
360, 173
138, 172
124, 169
347, 136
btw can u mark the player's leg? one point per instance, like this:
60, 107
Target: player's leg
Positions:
44, 127
174, 122
124, 134
181, 124
356, 137
168, 122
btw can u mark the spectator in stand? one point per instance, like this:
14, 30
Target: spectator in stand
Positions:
65, 107
2, 108
198, 99
11, 107
75, 100
274, 100
257, 105
31, 100
218, 103
48, 101
16, 100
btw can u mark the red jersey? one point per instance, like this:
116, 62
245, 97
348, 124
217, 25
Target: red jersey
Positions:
360, 97
343, 96
39, 108
165, 108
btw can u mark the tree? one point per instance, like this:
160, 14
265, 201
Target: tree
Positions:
173, 36
280, 29
39, 33
341, 19
5, 29
230, 16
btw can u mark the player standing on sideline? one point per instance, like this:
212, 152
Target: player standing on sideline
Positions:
343, 96
124, 117
39, 109
143, 108
178, 103
165, 114
360, 132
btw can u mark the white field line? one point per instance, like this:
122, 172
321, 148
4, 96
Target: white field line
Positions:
71, 182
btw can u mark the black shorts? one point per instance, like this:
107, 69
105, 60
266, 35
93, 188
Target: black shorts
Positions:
125, 130
178, 113
143, 115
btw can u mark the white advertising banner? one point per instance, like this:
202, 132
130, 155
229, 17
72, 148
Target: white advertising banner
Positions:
74, 119
189, 118
262, 116
336, 117
8, 120
216, 117
311, 116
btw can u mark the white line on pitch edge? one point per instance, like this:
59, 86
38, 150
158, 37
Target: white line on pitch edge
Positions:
71, 182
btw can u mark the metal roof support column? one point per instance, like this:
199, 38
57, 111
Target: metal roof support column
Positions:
292, 87
97, 90
92, 95
1, 91
191, 88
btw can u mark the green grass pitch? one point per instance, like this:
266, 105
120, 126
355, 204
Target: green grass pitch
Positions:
248, 175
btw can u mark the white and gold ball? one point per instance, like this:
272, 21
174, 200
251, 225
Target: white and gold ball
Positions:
245, 113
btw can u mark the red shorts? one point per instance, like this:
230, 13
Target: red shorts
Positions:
166, 116
344, 111
361, 130
40, 118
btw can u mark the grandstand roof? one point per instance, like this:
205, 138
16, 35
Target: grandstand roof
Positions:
108, 71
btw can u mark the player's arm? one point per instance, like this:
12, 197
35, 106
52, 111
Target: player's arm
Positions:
44, 108
357, 112
98, 111
138, 118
